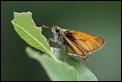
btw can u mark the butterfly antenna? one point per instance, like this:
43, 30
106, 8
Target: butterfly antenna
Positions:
45, 26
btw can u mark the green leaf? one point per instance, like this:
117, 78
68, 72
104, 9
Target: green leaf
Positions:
69, 69
62, 66
56, 71
29, 32
84, 74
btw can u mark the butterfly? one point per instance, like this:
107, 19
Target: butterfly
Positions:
77, 42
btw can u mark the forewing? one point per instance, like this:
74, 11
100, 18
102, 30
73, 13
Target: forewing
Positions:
84, 41
72, 47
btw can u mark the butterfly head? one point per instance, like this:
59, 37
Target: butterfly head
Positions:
56, 29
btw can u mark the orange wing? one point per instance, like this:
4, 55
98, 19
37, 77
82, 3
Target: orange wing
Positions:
72, 47
84, 41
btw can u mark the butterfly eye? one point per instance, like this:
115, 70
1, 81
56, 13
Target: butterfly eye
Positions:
57, 30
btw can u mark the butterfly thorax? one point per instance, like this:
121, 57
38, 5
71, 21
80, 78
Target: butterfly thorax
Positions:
57, 34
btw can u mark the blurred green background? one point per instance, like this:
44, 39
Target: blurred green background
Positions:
101, 18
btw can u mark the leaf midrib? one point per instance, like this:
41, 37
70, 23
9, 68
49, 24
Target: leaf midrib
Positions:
49, 53
32, 37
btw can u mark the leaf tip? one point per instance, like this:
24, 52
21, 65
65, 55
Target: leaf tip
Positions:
16, 13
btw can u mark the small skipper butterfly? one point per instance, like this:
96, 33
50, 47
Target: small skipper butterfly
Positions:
76, 42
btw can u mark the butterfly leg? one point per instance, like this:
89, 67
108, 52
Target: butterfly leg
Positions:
55, 47
51, 39
65, 48
54, 42
85, 58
